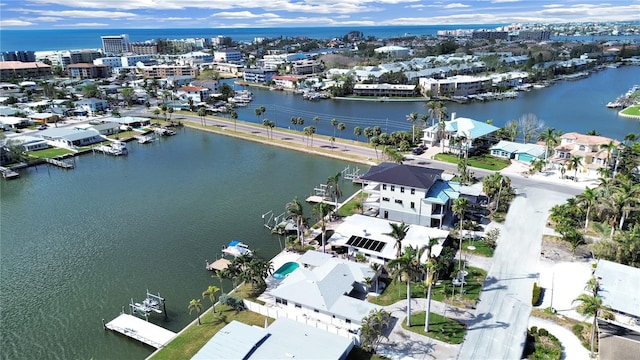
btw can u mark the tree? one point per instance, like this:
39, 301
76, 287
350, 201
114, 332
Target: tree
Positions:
376, 268
372, 328
202, 112
429, 269
550, 138
91, 91
530, 126
334, 124
575, 162
406, 268
127, 95
295, 211
591, 305
309, 131
211, 294
170, 111
321, 210
196, 305
357, 131
412, 118
333, 182
398, 232
234, 116
589, 199
610, 148
460, 205
341, 127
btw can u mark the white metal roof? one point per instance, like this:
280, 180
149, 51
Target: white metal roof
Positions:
619, 286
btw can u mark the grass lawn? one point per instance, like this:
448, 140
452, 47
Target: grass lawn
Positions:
396, 290
632, 110
484, 161
352, 207
440, 327
49, 153
482, 248
124, 135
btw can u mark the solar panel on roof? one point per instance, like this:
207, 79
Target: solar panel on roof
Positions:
366, 243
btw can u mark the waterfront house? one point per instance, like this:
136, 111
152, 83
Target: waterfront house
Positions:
69, 138
330, 292
589, 148
258, 75
106, 129
128, 121
457, 134
283, 339
413, 194
381, 90
30, 143
285, 81
368, 236
518, 151
196, 93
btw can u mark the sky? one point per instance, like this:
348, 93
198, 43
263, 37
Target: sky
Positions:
70, 14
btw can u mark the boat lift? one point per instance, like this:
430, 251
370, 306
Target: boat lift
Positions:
152, 303
351, 174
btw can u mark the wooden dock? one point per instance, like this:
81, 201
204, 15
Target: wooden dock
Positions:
317, 199
9, 173
218, 265
143, 331
65, 164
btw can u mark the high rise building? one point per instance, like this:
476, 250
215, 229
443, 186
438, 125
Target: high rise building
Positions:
115, 44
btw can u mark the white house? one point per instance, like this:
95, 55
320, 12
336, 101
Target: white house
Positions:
196, 93
329, 291
30, 143
69, 138
464, 129
413, 194
518, 151
368, 236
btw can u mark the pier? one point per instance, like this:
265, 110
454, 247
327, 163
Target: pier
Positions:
60, 163
218, 265
143, 331
8, 173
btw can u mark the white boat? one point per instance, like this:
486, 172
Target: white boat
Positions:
144, 139
237, 248
115, 148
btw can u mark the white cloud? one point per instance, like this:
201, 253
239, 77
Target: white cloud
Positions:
14, 22
456, 6
76, 14
86, 25
242, 15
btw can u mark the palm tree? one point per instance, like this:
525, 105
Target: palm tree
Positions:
341, 127
321, 210
412, 118
460, 205
628, 192
376, 268
588, 198
316, 120
406, 268
591, 305
357, 131
202, 112
574, 163
295, 211
334, 124
211, 294
234, 116
333, 182
429, 269
196, 305
398, 232
550, 138
610, 148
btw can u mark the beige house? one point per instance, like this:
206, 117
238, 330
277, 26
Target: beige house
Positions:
592, 150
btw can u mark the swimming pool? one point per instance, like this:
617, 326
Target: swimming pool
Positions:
285, 270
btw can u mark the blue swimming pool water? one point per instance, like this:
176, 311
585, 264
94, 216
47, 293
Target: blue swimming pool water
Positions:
285, 270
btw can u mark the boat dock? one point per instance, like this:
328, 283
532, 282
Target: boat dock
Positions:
8, 173
65, 164
143, 331
218, 265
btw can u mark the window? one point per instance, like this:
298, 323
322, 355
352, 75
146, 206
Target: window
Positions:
401, 189
413, 191
384, 186
413, 205
393, 188
385, 199
347, 321
298, 306
316, 310
398, 201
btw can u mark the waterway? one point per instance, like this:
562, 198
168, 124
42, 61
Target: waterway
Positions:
77, 245
578, 105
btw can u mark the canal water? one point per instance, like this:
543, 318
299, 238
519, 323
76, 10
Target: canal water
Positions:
566, 105
77, 245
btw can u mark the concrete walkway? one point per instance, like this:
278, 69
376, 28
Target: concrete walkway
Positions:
572, 349
404, 344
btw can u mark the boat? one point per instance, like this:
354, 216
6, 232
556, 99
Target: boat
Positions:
144, 139
237, 248
163, 131
115, 148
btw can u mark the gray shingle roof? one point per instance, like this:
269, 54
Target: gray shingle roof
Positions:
406, 175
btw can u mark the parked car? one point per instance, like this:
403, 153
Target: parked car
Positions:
42, 127
418, 151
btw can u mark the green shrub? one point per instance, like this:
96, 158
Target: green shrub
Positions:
543, 332
537, 291
534, 330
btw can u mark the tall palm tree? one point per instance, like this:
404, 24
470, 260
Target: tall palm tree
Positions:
398, 232
550, 138
459, 207
406, 268
295, 211
334, 124
429, 268
341, 127
234, 116
211, 294
196, 305
357, 131
574, 164
333, 182
412, 118
609, 148
321, 210
591, 305
588, 198
376, 268
628, 191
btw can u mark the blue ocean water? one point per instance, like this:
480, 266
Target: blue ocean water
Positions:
69, 39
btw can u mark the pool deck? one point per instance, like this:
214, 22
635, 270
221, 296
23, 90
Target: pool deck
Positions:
282, 258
